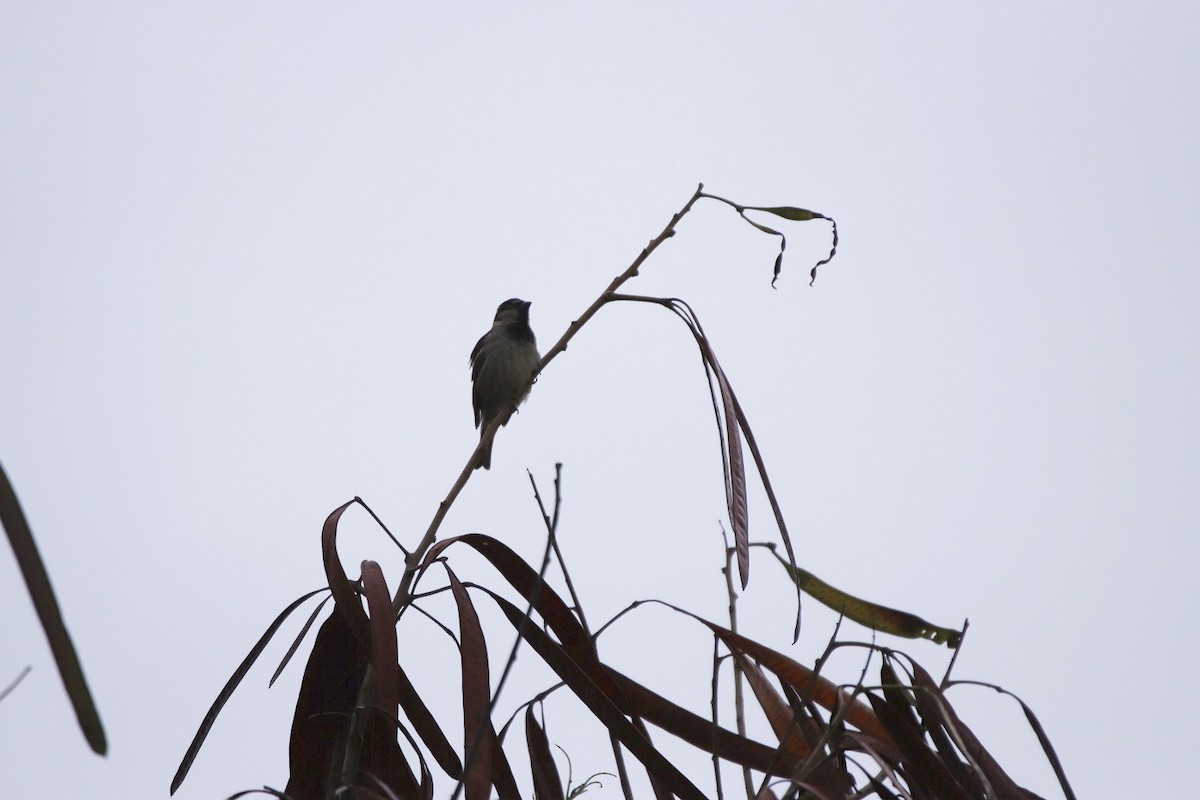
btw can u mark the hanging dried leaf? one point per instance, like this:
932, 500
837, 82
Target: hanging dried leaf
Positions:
872, 615
427, 727
798, 215
227, 690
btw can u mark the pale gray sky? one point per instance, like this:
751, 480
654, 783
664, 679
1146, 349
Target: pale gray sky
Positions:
245, 250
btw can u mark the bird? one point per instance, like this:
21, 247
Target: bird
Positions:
503, 365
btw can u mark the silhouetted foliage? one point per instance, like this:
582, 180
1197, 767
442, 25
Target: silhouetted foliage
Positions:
897, 737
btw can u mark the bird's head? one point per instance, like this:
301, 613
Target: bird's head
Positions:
513, 311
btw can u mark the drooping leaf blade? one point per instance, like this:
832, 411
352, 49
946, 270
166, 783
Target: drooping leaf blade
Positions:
785, 724
291, 651
476, 695
227, 690
700, 732
427, 727
546, 781
329, 691
872, 615
37, 581
344, 596
807, 683
382, 757
600, 705
739, 516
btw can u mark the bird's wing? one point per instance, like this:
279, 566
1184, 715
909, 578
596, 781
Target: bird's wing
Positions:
477, 359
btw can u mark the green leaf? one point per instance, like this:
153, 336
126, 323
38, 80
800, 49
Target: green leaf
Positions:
789, 212
872, 615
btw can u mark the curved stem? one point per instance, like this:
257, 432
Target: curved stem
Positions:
412, 562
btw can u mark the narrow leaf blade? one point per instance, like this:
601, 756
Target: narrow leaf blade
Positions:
227, 690
476, 695
872, 615
546, 781
37, 581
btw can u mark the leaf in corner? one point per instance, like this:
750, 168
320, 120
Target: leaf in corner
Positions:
37, 581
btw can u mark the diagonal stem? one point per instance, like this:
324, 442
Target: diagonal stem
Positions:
413, 561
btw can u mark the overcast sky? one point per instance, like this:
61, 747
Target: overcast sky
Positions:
246, 248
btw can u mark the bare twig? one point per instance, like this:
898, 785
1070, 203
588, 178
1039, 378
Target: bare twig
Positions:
520, 635
954, 658
739, 699
379, 522
20, 677
714, 704
552, 526
413, 562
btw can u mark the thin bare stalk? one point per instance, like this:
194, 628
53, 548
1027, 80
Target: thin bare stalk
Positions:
739, 700
413, 562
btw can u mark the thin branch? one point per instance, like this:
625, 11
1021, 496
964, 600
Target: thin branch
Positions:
954, 658
379, 522
739, 699
413, 562
562, 562
17, 680
714, 704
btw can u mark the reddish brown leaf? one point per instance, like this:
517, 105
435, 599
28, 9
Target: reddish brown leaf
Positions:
936, 710
783, 721
919, 763
599, 704
502, 774
661, 792
761, 466
295, 645
733, 463
477, 696
1047, 748
934, 725
807, 733
730, 403
547, 785
898, 695
382, 757
328, 691
546, 601
629, 696
344, 597
427, 728
739, 516
227, 691
807, 683
384, 689
425, 789
700, 732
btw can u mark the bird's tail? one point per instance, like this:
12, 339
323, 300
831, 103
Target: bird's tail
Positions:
485, 458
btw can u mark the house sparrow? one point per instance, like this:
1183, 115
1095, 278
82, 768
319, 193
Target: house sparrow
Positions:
503, 364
